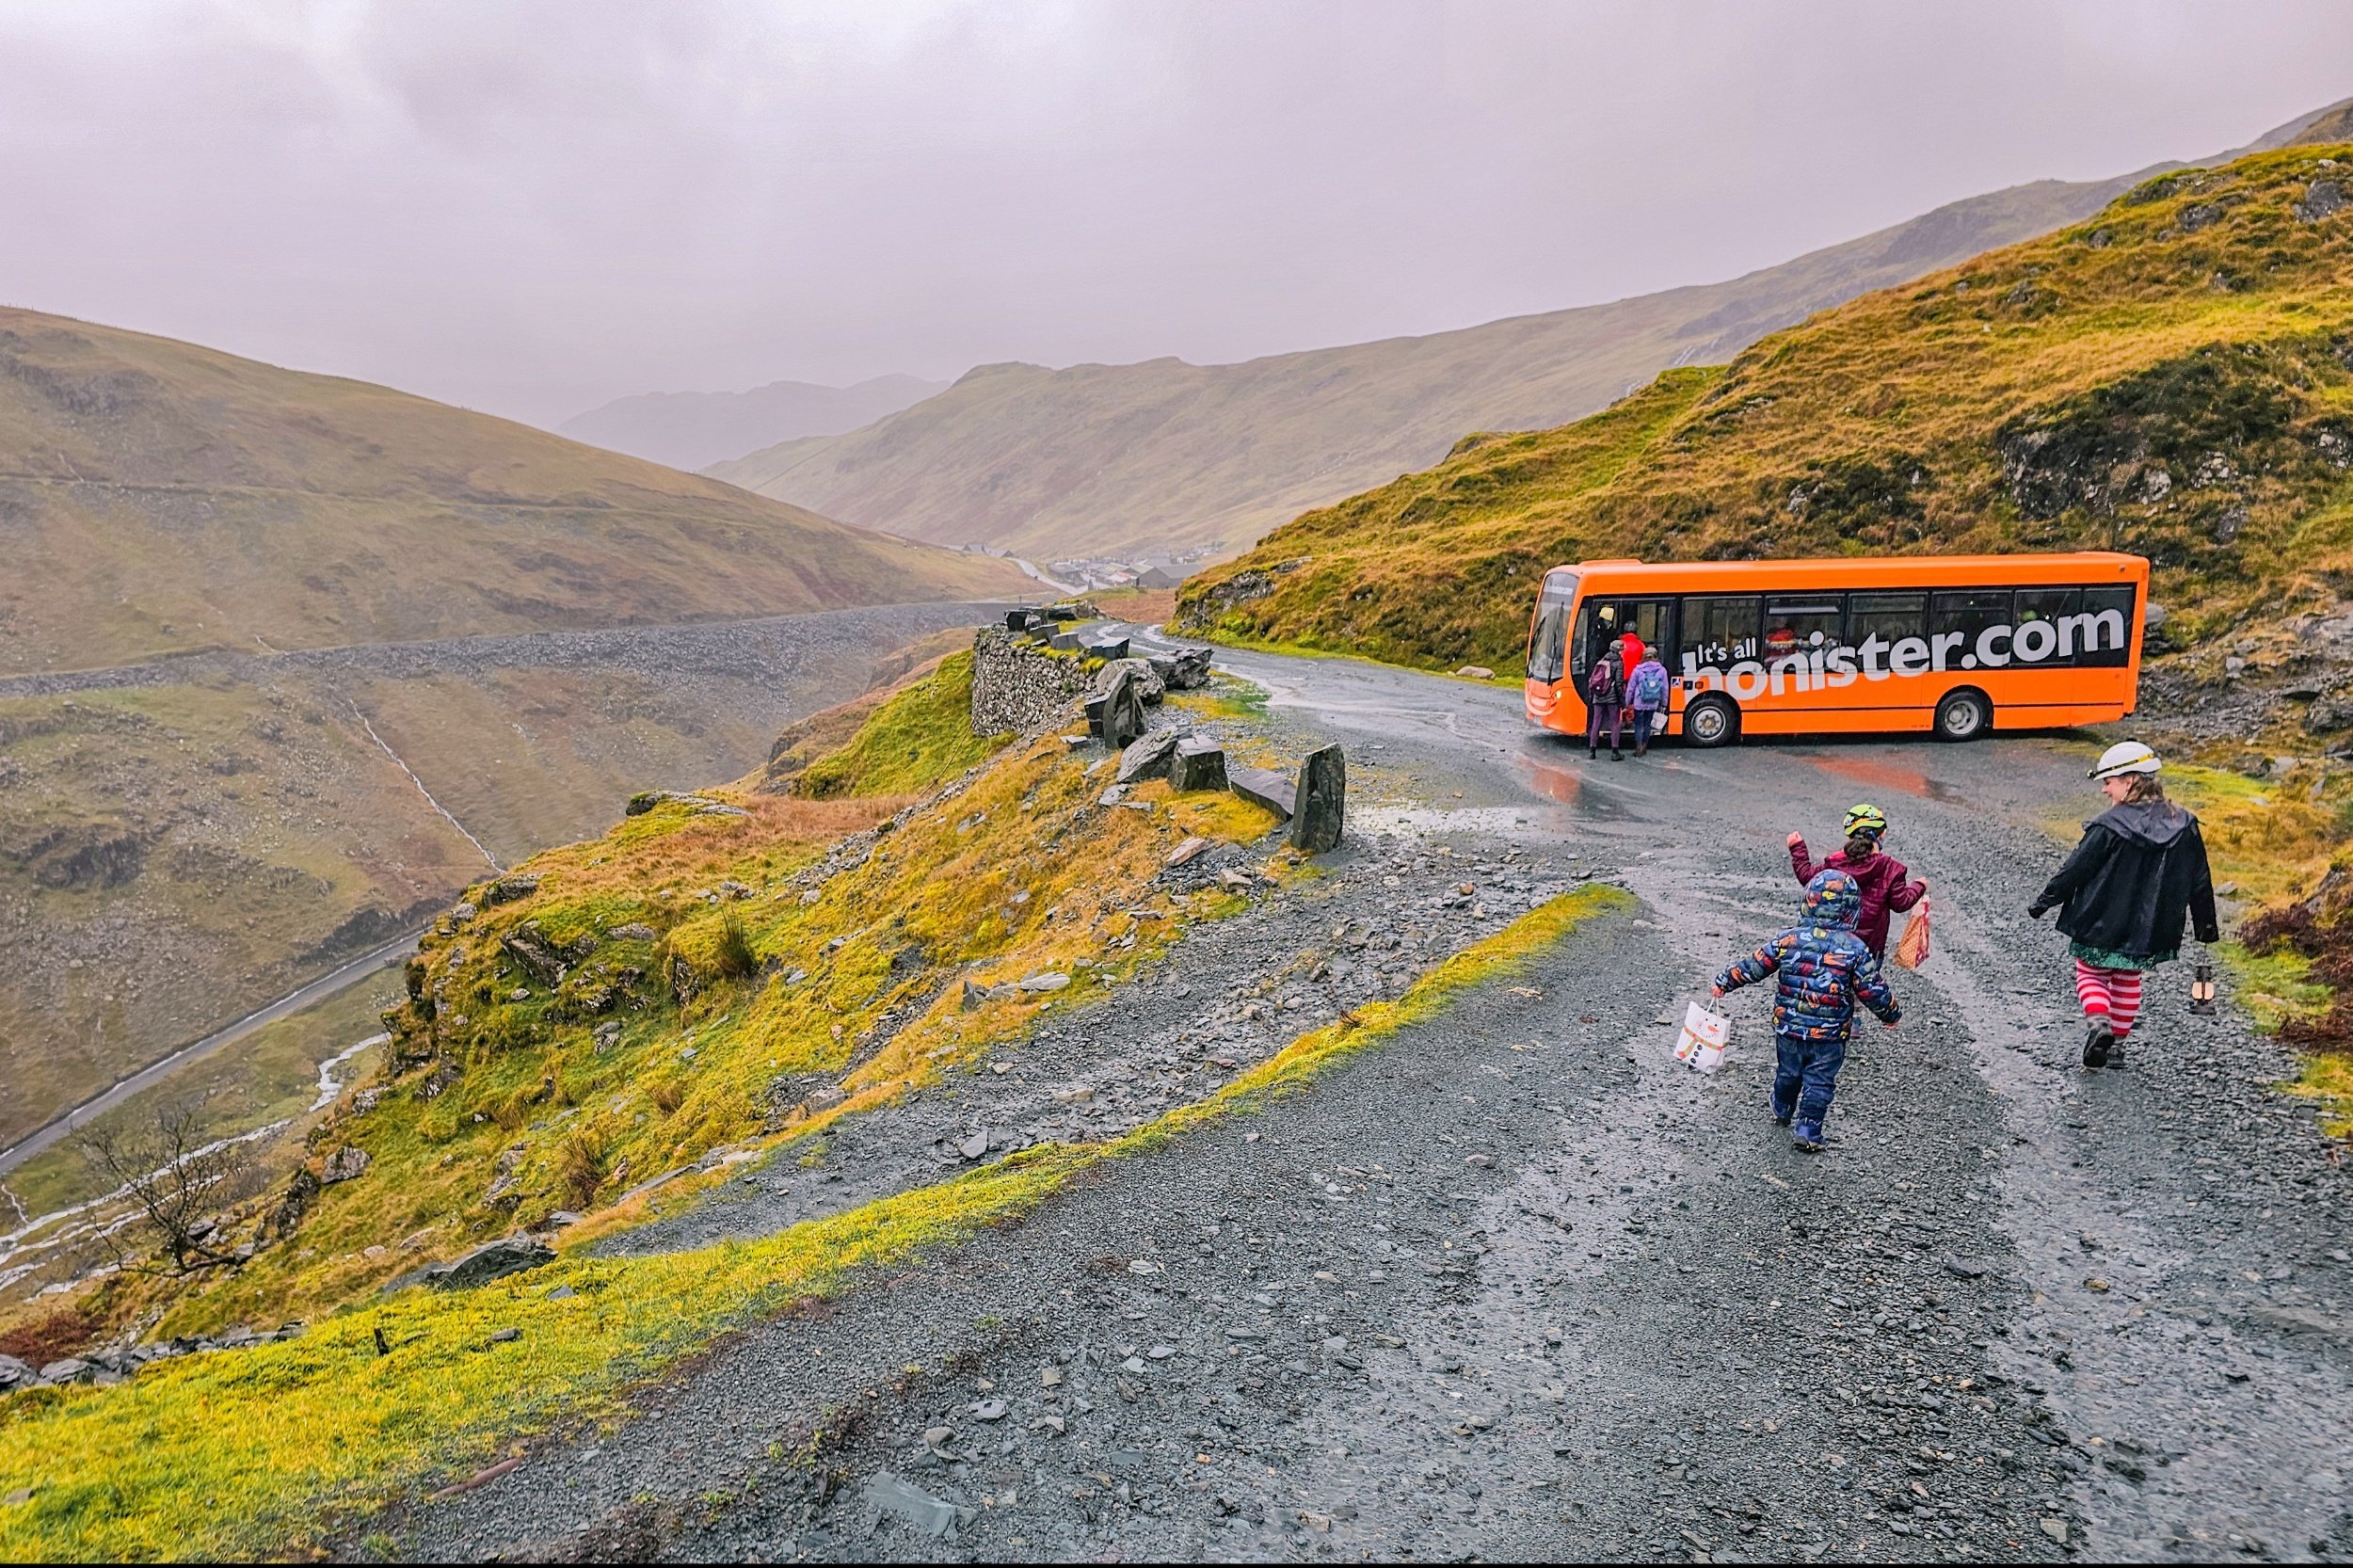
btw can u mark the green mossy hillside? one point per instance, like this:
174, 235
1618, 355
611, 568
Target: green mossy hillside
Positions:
920, 737
716, 975
2173, 377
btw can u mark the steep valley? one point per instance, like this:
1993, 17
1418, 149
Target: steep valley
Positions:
186, 841
221, 574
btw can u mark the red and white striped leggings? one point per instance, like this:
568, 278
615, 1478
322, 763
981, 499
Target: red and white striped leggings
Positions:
2110, 994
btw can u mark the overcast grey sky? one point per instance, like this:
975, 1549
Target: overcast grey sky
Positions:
530, 208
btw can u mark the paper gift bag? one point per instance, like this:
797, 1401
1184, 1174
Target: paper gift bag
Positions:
1704, 1038
1912, 948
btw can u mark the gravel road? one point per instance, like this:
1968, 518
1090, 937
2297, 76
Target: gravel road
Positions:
1514, 1284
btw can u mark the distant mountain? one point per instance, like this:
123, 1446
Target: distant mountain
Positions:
693, 430
157, 497
2171, 377
1167, 455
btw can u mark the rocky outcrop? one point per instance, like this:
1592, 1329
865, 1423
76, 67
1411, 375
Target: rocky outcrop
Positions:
508, 889
1247, 587
495, 1260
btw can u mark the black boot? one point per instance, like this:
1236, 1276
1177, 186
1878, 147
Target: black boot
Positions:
2098, 1039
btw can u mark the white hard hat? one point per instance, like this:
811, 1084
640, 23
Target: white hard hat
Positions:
2126, 757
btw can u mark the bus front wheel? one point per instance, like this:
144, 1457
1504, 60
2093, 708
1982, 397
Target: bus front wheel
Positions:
1712, 721
1963, 715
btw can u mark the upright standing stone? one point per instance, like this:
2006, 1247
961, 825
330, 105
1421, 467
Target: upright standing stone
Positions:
1117, 714
1322, 800
1199, 765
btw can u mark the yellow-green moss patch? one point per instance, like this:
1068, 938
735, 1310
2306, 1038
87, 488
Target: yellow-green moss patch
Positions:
921, 737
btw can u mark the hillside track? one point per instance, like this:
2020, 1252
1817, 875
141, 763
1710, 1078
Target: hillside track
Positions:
1512, 1284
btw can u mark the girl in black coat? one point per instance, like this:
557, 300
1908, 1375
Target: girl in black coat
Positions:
2124, 896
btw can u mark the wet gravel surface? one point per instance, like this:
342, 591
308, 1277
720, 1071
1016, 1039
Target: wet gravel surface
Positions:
1514, 1284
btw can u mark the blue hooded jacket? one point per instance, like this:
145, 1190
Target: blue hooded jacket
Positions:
1824, 966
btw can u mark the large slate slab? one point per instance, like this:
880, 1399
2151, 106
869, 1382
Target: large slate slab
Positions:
1263, 786
1148, 758
493, 1260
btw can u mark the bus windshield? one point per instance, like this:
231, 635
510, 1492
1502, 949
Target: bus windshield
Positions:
1548, 643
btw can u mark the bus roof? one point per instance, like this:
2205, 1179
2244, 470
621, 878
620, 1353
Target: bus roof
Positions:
2091, 565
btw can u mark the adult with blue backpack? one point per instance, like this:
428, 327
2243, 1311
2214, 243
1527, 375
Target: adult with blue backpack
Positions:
1646, 688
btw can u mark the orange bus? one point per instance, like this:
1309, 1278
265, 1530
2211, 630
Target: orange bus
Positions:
1955, 646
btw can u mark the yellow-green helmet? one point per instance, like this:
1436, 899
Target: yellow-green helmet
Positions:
1867, 820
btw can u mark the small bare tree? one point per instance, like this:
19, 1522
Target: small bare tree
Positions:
176, 1178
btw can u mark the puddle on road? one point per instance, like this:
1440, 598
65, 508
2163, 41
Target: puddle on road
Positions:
1567, 786
1884, 774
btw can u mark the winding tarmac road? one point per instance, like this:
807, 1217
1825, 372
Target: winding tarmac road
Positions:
188, 1055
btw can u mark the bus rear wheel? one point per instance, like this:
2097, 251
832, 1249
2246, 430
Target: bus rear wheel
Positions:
1712, 721
1963, 715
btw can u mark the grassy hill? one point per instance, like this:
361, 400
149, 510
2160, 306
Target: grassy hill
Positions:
688, 430
181, 846
158, 497
2173, 376
1170, 455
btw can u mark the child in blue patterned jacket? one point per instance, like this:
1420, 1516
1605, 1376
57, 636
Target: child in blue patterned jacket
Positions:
1825, 969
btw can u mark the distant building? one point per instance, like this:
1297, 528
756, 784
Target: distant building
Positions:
1158, 577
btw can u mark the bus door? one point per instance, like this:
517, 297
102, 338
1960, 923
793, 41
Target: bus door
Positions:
1603, 621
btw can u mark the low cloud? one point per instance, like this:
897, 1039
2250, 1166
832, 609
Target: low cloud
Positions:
531, 207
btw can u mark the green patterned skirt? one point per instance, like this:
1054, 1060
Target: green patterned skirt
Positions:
2101, 958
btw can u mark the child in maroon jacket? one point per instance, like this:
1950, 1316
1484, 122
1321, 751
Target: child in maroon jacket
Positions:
1882, 877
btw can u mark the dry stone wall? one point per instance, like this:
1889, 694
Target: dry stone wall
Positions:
1019, 688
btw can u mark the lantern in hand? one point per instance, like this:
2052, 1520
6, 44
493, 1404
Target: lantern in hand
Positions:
2202, 988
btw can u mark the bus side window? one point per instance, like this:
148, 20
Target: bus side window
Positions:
1803, 623
2101, 634
1888, 618
1719, 631
2046, 608
1969, 629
